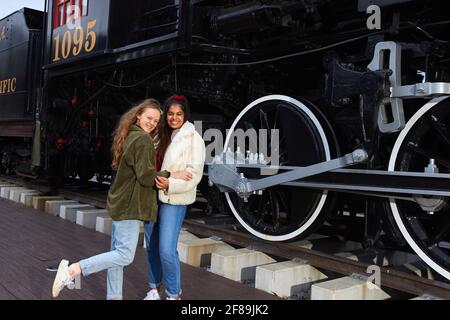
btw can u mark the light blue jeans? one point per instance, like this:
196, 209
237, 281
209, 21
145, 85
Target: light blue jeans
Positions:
124, 239
162, 254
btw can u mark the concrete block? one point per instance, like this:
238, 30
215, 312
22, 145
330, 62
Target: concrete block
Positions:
7, 185
231, 263
69, 211
26, 198
4, 191
104, 224
316, 236
419, 269
425, 297
347, 288
88, 218
53, 206
347, 255
39, 201
287, 278
303, 243
197, 252
14, 194
186, 235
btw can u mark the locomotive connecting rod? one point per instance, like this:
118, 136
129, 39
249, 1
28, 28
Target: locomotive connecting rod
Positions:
225, 176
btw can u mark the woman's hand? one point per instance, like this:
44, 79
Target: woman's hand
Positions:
162, 183
184, 175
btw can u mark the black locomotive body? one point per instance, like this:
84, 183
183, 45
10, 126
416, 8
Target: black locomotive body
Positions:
362, 81
20, 52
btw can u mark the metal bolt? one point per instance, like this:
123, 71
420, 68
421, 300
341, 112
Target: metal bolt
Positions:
432, 167
359, 155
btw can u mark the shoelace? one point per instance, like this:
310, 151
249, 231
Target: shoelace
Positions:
68, 282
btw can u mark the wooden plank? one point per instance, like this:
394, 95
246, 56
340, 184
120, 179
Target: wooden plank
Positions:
31, 241
5, 294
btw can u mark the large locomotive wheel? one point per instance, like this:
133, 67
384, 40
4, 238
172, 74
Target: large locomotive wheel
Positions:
426, 229
283, 212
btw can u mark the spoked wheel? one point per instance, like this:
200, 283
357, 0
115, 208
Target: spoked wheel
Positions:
425, 225
284, 212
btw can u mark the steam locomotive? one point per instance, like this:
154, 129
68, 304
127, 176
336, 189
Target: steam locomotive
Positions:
354, 91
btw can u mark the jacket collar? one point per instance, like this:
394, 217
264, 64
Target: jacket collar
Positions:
135, 127
187, 129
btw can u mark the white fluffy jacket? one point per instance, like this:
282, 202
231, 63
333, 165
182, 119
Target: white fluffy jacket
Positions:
186, 152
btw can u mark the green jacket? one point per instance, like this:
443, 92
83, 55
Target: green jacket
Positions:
132, 194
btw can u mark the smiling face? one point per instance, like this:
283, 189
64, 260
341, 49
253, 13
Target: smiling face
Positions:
175, 116
149, 119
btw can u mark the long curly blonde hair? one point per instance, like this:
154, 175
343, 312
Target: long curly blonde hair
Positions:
125, 123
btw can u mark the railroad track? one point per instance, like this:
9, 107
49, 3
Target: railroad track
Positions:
389, 277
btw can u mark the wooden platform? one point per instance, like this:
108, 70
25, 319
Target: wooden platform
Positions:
31, 241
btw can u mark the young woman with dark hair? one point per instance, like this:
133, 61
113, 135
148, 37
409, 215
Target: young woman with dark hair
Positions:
180, 148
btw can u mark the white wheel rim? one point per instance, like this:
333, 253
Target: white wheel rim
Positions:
425, 257
323, 197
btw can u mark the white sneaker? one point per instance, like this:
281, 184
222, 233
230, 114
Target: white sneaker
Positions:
153, 294
62, 278
173, 298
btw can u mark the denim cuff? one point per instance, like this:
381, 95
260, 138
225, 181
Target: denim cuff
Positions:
168, 294
155, 286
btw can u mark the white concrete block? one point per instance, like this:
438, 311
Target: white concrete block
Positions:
26, 198
88, 218
14, 194
69, 211
425, 297
194, 251
384, 263
53, 206
39, 201
303, 243
347, 255
231, 262
7, 185
4, 191
282, 278
347, 288
186, 235
420, 270
316, 236
104, 224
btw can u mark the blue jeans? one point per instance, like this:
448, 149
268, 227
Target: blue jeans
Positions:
124, 239
162, 254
